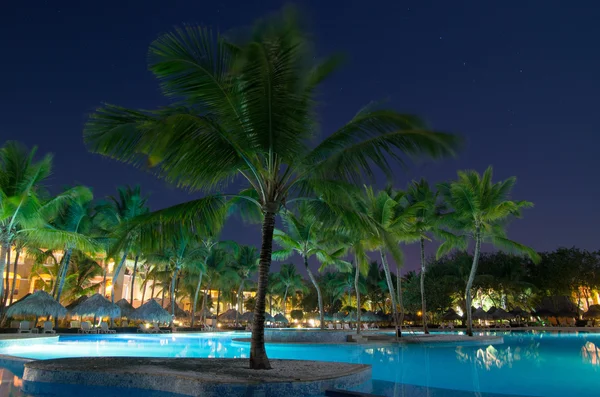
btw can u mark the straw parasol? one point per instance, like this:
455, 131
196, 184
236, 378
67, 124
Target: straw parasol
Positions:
207, 313
39, 304
229, 315
593, 312
248, 316
451, 315
97, 306
151, 311
351, 317
500, 314
179, 312
480, 314
369, 316
544, 313
126, 308
280, 318
76, 302
518, 312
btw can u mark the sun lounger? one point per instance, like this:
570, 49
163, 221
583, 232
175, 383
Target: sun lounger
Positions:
347, 327
144, 330
14, 324
374, 326
156, 330
86, 328
105, 330
365, 326
48, 328
24, 328
338, 326
330, 326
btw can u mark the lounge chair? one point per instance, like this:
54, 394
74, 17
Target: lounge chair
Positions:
589, 323
105, 330
86, 328
442, 325
24, 328
75, 325
156, 330
330, 326
14, 324
338, 326
48, 328
124, 323
374, 326
365, 326
144, 330
347, 327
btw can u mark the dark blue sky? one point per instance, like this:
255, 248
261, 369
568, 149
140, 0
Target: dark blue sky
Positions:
518, 79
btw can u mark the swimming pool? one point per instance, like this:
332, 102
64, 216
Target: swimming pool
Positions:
531, 364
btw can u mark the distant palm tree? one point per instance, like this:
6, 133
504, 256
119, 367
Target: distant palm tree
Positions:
306, 235
480, 209
245, 264
25, 207
247, 110
288, 281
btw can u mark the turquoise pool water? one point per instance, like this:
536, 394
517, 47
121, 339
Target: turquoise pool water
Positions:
541, 364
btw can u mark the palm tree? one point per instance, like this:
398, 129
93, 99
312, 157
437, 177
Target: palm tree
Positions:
425, 224
78, 216
245, 264
246, 110
24, 211
288, 280
480, 209
306, 235
118, 215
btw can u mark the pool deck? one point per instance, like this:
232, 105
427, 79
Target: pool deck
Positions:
197, 377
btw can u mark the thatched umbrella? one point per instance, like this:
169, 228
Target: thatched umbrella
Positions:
351, 317
518, 312
593, 312
179, 312
268, 317
76, 302
369, 316
39, 304
248, 316
480, 314
500, 314
280, 318
126, 308
97, 306
451, 315
544, 313
229, 315
151, 311
207, 313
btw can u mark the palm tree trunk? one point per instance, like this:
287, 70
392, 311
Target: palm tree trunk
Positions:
14, 283
356, 280
153, 287
218, 301
390, 284
319, 296
471, 279
258, 354
63, 273
423, 303
172, 292
144, 285
196, 299
206, 290
133, 277
6, 284
115, 275
162, 302
284, 300
239, 301
400, 300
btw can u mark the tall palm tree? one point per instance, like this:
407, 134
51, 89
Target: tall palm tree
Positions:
425, 225
118, 215
26, 208
288, 281
77, 216
246, 110
306, 235
480, 209
245, 264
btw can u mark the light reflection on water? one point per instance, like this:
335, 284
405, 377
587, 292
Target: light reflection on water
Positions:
540, 364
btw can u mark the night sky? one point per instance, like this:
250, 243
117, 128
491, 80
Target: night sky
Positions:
518, 79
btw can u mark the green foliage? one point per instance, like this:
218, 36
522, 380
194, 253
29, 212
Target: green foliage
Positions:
297, 315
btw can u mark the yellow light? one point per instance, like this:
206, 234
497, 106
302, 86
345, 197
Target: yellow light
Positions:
311, 322
218, 325
419, 313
